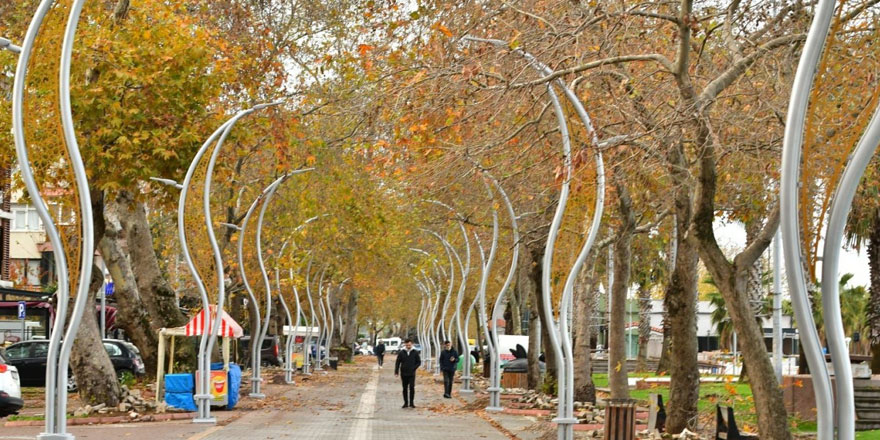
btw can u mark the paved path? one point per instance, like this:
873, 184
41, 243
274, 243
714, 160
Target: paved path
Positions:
357, 402
364, 404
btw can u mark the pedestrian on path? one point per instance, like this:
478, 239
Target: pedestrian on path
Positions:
448, 361
408, 362
379, 351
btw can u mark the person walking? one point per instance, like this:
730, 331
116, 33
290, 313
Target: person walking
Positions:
408, 362
448, 361
379, 351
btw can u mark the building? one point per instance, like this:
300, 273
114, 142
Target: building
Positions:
6, 218
708, 338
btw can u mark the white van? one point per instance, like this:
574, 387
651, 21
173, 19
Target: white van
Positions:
392, 345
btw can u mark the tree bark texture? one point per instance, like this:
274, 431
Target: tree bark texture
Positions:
89, 361
733, 281
644, 325
537, 254
584, 303
133, 313
151, 282
526, 268
617, 374
874, 301
681, 313
351, 319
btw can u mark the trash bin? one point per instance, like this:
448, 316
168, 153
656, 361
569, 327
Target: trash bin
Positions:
620, 419
334, 362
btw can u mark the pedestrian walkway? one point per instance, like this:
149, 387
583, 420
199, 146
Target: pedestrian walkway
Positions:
364, 403
359, 401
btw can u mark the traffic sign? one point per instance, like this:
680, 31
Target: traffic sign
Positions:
22, 310
108, 288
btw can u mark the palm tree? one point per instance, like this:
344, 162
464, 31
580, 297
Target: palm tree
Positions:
863, 228
720, 319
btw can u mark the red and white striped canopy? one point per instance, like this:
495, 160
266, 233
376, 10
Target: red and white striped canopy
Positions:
228, 327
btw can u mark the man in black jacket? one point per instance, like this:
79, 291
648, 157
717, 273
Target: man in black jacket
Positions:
408, 362
379, 351
448, 362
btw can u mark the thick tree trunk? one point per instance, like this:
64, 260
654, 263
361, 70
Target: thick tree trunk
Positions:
91, 366
152, 285
671, 259
644, 325
537, 254
513, 312
681, 313
530, 289
351, 319
617, 374
733, 284
874, 301
584, 303
664, 361
133, 314
732, 280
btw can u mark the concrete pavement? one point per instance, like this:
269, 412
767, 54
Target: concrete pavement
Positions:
357, 402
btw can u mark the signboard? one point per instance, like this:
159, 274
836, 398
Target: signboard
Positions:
22, 310
108, 288
219, 387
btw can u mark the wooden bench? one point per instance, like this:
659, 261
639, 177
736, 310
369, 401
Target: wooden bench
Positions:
725, 425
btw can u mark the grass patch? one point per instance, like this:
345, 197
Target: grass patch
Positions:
16, 417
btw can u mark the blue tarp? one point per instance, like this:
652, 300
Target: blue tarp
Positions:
181, 400
179, 383
233, 378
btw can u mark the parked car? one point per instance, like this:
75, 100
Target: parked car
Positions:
269, 352
392, 345
10, 389
364, 349
30, 359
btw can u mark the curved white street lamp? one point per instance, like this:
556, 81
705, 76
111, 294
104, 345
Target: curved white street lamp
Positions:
842, 201
561, 343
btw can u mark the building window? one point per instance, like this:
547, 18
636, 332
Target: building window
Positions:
26, 219
33, 272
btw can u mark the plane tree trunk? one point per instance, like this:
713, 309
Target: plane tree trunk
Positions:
617, 373
585, 304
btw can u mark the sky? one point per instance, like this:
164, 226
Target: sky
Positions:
732, 236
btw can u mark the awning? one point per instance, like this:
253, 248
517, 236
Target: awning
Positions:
228, 326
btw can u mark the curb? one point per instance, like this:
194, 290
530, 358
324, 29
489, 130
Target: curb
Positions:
105, 420
527, 412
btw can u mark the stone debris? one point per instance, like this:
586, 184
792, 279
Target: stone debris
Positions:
686, 434
131, 402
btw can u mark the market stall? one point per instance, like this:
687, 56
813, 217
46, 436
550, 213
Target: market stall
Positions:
181, 386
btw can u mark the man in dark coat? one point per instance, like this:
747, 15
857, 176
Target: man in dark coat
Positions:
448, 362
379, 351
408, 362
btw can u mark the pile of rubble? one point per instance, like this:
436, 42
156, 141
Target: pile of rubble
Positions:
585, 412
132, 402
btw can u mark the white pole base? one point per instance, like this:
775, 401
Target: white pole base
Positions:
494, 408
205, 421
257, 395
47, 436
466, 391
